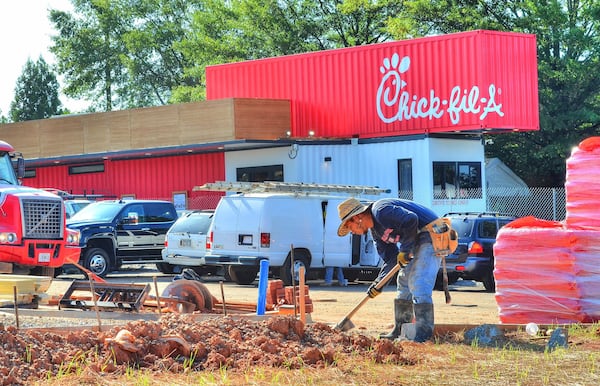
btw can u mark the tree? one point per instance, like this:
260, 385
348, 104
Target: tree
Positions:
36, 93
568, 38
155, 64
88, 50
240, 30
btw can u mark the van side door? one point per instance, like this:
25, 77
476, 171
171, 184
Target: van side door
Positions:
337, 251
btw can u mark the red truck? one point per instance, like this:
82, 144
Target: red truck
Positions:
34, 238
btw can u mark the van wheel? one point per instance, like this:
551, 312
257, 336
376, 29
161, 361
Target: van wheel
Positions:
242, 275
300, 260
166, 268
97, 261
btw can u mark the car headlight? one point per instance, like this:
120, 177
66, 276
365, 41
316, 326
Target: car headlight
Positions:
73, 237
8, 237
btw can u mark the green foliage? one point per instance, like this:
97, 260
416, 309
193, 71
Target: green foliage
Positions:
568, 39
134, 53
88, 50
36, 93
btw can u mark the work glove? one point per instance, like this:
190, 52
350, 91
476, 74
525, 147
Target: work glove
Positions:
404, 258
373, 291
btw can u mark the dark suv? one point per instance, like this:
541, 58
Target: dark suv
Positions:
122, 232
474, 256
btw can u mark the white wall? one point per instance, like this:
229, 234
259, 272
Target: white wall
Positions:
371, 164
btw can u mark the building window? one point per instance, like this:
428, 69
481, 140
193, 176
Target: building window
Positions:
405, 182
456, 180
260, 173
83, 169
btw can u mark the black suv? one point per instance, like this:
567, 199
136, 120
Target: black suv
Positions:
474, 256
122, 232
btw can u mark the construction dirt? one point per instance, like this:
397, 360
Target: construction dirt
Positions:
179, 343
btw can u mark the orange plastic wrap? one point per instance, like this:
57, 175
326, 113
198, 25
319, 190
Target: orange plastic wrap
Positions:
547, 271
582, 185
535, 274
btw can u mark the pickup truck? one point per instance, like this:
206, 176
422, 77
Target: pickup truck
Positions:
120, 232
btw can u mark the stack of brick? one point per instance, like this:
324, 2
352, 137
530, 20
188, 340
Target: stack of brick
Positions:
278, 295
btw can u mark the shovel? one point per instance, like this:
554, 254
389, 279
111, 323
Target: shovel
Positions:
346, 324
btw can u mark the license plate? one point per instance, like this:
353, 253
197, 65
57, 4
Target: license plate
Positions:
185, 243
44, 257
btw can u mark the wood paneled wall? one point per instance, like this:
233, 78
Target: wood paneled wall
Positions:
152, 127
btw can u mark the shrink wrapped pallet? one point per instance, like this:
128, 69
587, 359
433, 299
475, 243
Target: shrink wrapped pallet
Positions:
535, 273
585, 249
582, 184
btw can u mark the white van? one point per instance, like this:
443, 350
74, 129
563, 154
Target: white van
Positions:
248, 228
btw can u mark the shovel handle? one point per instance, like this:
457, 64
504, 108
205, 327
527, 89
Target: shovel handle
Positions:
387, 277
379, 285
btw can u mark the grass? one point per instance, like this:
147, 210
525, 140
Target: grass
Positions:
519, 360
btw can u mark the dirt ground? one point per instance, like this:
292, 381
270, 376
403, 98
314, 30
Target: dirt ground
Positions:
470, 303
177, 345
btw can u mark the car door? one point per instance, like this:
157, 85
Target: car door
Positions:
132, 232
157, 220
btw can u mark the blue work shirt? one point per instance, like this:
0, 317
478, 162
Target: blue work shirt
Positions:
397, 221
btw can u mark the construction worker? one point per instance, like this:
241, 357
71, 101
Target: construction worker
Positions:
393, 222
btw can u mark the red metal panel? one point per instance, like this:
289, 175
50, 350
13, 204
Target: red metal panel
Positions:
477, 80
152, 178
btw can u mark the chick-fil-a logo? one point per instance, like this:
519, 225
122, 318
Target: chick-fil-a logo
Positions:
395, 103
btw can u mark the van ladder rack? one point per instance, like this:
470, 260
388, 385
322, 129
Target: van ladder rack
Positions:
287, 187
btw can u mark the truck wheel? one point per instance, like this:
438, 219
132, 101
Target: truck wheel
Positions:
166, 267
242, 275
300, 260
97, 261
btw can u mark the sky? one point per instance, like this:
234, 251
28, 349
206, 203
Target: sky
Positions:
26, 31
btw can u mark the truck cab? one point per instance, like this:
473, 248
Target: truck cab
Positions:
33, 234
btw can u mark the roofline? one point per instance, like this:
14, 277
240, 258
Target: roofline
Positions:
224, 146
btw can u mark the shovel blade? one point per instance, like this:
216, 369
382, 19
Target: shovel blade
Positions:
344, 325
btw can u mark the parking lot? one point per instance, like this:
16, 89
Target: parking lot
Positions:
471, 304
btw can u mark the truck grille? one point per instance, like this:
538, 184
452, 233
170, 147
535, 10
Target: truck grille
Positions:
42, 218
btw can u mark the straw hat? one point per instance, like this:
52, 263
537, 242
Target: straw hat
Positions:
348, 209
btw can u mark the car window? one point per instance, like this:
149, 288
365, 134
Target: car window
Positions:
134, 212
462, 226
488, 229
193, 223
159, 212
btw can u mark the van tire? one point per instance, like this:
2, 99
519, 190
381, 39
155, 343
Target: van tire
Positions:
166, 268
242, 275
285, 273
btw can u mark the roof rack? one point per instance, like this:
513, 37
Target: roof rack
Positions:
478, 214
287, 187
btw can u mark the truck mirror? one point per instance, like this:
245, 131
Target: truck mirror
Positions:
20, 167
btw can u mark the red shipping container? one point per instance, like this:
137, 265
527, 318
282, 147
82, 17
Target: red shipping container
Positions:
476, 80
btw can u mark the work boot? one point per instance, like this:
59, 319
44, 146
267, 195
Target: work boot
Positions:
423, 322
403, 313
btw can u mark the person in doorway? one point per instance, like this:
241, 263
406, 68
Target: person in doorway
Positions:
398, 228
342, 282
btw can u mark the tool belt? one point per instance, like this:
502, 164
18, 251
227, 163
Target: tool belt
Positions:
443, 238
